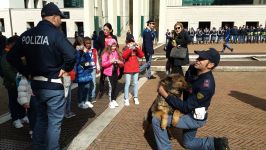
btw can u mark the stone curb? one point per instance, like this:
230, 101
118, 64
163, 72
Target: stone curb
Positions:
222, 68
83, 140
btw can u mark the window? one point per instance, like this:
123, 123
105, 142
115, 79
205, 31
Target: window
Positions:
229, 24
30, 25
203, 25
253, 23
73, 4
66, 13
2, 25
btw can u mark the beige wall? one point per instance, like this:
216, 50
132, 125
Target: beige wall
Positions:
216, 15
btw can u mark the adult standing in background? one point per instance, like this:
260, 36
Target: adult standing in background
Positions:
49, 56
180, 39
104, 38
147, 47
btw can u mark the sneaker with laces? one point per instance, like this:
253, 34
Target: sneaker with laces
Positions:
17, 124
89, 104
115, 103
126, 102
25, 120
136, 100
221, 143
111, 105
83, 105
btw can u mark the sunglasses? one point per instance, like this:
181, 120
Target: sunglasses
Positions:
177, 28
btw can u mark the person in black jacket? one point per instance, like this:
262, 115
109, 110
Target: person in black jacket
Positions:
49, 57
180, 39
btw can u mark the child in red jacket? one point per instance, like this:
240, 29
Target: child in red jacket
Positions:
130, 54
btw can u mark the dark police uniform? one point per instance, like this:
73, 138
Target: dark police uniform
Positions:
47, 51
195, 105
201, 90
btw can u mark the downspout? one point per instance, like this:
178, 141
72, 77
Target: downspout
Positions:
10, 19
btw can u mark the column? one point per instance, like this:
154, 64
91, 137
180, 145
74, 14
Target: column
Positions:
112, 14
162, 21
136, 19
88, 18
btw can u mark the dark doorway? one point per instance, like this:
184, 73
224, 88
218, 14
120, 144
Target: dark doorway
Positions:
80, 28
253, 24
63, 28
185, 25
203, 25
229, 24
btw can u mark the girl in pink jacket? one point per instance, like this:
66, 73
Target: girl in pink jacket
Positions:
111, 62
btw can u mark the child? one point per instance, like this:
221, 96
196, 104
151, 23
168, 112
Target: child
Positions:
18, 113
95, 65
26, 99
131, 53
83, 69
111, 61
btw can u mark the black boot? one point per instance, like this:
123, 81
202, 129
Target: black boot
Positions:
221, 143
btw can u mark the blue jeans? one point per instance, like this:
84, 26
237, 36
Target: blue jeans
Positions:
68, 101
93, 92
84, 91
127, 84
147, 65
50, 108
189, 126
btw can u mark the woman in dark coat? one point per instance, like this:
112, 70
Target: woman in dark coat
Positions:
180, 39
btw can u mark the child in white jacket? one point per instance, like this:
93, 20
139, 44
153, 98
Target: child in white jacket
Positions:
26, 98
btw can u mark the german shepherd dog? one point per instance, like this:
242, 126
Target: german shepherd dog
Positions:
173, 84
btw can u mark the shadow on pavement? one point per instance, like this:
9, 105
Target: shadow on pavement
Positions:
250, 99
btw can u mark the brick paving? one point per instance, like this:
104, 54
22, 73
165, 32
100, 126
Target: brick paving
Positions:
237, 112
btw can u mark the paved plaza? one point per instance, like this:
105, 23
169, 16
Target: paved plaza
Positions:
237, 111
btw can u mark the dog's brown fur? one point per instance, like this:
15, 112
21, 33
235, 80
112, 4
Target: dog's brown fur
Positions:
173, 85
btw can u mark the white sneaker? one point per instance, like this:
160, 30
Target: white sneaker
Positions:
111, 105
136, 100
89, 104
83, 105
115, 103
25, 120
126, 102
17, 123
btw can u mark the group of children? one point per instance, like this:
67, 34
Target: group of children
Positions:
85, 70
87, 66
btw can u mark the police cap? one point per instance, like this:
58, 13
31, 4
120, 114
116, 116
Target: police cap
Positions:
211, 54
51, 9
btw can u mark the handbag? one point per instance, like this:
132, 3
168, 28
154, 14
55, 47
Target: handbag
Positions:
180, 52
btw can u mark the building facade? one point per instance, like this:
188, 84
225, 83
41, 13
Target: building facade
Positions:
86, 16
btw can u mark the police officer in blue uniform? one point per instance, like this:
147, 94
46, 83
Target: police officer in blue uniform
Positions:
197, 99
147, 47
49, 56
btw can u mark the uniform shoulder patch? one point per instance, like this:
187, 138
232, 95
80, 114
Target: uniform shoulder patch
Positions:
200, 96
206, 83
